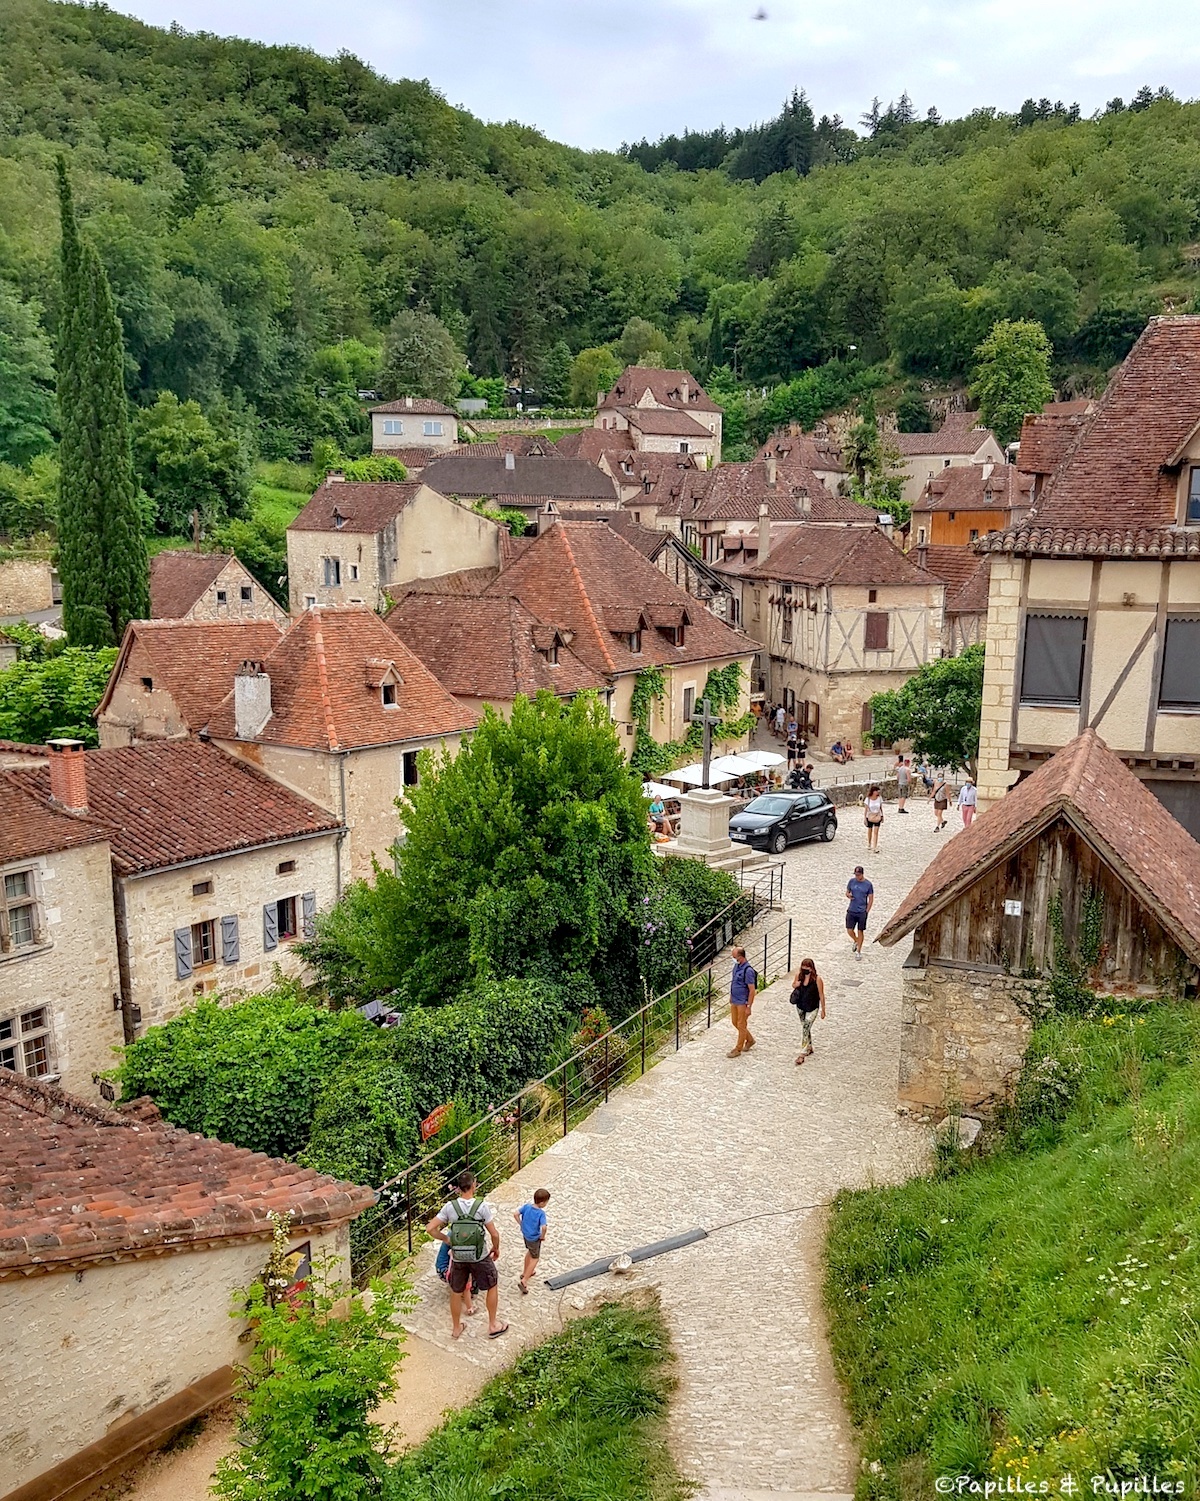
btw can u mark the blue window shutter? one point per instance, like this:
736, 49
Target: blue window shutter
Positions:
183, 953
230, 948
308, 907
270, 926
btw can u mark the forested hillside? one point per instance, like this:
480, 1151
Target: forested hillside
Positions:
263, 215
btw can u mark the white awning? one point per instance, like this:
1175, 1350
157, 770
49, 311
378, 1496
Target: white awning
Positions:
694, 775
761, 758
658, 789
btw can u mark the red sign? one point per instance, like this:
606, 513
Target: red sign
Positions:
433, 1122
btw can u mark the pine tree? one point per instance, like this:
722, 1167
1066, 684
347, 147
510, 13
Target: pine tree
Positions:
102, 551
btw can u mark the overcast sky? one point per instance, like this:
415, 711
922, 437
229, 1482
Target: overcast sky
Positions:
598, 72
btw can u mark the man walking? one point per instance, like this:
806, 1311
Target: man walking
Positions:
462, 1224
968, 797
743, 987
861, 896
903, 783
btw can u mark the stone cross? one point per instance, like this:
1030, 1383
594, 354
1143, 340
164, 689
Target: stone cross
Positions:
708, 722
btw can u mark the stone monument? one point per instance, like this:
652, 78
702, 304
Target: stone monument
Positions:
704, 816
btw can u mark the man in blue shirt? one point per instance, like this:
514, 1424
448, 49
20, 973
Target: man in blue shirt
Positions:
861, 896
742, 987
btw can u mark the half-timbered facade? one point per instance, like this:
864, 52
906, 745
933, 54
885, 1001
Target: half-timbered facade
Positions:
841, 614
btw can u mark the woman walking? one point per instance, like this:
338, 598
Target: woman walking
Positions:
968, 797
941, 801
808, 997
873, 817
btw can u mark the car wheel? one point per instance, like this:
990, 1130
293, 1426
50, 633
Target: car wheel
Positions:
778, 842
829, 830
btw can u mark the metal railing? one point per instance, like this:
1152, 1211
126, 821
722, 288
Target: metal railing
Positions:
508, 1137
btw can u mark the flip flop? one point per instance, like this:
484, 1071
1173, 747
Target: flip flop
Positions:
457, 1333
522, 1286
496, 1333
800, 1060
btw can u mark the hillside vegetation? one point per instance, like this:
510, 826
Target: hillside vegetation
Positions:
263, 215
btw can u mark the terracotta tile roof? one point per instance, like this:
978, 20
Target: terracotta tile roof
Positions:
647, 541
682, 492
666, 387
491, 648
178, 579
736, 491
1046, 439
977, 487
162, 802
964, 573
81, 1183
852, 556
321, 697
801, 450
583, 576
1095, 542
958, 434
193, 660
1122, 471
639, 467
661, 423
466, 583
21, 753
591, 443
413, 458
30, 825
363, 507
1102, 799
529, 481
421, 404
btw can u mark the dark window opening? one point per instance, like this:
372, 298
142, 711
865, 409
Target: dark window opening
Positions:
201, 888
389, 695
285, 867
635, 641
689, 703
285, 917
204, 944
222, 597
1052, 671
148, 684
410, 772
872, 596
1180, 685
333, 572
247, 592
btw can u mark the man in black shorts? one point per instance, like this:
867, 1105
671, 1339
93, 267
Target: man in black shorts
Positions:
470, 1205
861, 896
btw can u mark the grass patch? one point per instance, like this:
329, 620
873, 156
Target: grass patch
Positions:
580, 1418
1032, 1311
274, 508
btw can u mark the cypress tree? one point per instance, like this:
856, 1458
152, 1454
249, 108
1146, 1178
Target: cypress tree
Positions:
102, 551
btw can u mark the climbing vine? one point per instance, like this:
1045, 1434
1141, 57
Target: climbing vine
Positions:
1067, 984
722, 688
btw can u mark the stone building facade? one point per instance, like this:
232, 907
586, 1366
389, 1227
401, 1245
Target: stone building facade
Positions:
207, 586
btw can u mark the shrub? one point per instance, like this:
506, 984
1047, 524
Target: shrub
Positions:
703, 891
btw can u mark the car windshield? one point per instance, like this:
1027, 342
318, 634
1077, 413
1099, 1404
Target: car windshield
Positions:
770, 807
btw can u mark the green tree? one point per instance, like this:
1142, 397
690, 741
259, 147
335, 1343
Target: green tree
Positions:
912, 412
938, 709
1011, 377
102, 552
420, 358
29, 497
309, 1387
592, 371
555, 387
185, 465
27, 409
41, 700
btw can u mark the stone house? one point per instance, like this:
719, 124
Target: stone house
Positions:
207, 586
122, 1243
968, 501
60, 987
965, 575
170, 674
215, 871
792, 448
1047, 437
352, 540
412, 422
957, 441
339, 711
1094, 602
839, 613
1080, 849
650, 403
523, 482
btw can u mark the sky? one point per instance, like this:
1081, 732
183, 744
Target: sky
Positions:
595, 73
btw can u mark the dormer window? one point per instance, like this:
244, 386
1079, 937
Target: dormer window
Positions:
1192, 517
552, 655
388, 693
635, 642
339, 521
646, 486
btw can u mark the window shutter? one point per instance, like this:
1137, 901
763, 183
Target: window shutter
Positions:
1053, 667
877, 631
183, 953
230, 948
270, 926
1181, 664
308, 908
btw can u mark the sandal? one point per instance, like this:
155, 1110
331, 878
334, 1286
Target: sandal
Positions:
800, 1060
521, 1285
496, 1333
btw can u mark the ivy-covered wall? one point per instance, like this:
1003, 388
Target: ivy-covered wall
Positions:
724, 688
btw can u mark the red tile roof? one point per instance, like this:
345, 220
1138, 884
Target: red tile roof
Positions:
958, 434
736, 491
491, 648
964, 573
80, 1183
321, 698
1048, 436
529, 481
591, 443
363, 507
164, 802
666, 387
1093, 542
1123, 469
466, 583
977, 487
661, 423
583, 576
1101, 798
803, 451
851, 556
193, 660
178, 579
414, 458
421, 404
30, 826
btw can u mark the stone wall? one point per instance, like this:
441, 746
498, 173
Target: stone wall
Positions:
87, 1353
962, 1038
25, 585
231, 581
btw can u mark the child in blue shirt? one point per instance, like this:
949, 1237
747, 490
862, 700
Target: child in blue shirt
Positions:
532, 1220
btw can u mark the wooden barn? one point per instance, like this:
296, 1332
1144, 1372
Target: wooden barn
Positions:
1078, 865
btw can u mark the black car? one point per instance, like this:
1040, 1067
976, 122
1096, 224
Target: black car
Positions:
777, 819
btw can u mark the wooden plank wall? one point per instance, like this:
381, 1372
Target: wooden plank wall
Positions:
1136, 951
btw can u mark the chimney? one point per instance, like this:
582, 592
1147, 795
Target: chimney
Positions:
771, 472
408, 401
764, 532
251, 700
68, 775
987, 470
510, 460
335, 477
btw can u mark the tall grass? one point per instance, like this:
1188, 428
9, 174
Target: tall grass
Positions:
1032, 1312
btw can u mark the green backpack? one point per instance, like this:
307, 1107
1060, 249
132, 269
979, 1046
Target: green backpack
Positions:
466, 1234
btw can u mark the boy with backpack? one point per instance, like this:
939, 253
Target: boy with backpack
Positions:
532, 1220
466, 1224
